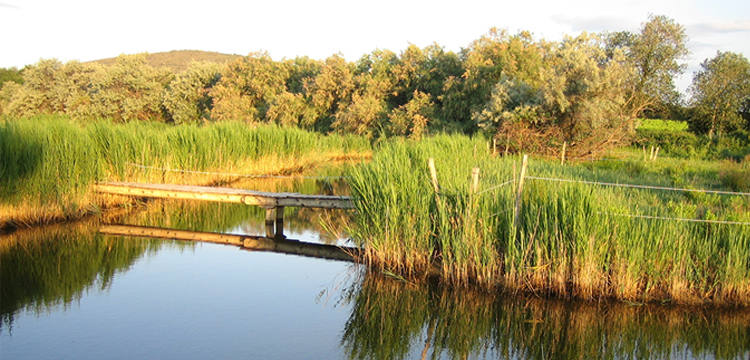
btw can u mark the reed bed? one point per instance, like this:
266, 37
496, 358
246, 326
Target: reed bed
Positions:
48, 163
568, 239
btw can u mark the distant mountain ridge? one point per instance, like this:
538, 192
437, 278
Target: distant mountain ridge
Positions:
178, 60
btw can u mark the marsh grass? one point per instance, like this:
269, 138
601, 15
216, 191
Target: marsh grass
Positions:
571, 240
48, 163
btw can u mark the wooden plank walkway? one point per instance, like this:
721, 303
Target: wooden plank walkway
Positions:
207, 193
274, 203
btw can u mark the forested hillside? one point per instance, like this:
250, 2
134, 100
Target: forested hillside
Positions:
530, 94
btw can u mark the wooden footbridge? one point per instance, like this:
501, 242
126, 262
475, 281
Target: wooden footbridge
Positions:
274, 203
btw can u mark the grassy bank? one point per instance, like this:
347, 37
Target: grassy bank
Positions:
570, 239
48, 163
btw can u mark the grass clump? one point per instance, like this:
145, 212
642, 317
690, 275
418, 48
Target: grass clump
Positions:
48, 163
569, 239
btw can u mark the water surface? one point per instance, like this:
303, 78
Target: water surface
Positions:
71, 293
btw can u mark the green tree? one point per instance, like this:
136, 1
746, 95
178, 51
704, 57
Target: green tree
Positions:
292, 106
49, 87
247, 88
11, 74
187, 97
412, 118
721, 94
578, 96
484, 63
128, 90
654, 55
328, 93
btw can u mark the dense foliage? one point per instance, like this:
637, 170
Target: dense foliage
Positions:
585, 90
721, 94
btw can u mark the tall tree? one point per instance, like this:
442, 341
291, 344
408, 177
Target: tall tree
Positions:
187, 96
128, 90
248, 87
576, 97
721, 94
654, 55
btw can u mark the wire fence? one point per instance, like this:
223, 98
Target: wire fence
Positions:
497, 186
678, 219
650, 187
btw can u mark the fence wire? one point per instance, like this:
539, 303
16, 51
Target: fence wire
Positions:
679, 219
496, 186
650, 187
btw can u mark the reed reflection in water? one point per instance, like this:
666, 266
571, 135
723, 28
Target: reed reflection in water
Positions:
55, 266
394, 319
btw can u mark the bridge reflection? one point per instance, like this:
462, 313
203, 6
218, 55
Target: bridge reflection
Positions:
245, 242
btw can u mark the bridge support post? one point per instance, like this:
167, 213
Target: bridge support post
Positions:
280, 223
270, 216
275, 222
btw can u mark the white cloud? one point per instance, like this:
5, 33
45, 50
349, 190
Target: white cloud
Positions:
724, 27
595, 24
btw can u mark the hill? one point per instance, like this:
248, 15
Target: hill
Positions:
178, 60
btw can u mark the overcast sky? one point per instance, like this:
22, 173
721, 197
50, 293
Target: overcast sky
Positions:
94, 29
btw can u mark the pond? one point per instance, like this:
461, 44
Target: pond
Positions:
69, 292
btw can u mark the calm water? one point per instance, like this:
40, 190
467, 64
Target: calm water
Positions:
70, 293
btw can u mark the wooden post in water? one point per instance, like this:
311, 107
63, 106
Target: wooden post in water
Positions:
280, 223
474, 180
433, 174
562, 157
275, 222
270, 217
519, 191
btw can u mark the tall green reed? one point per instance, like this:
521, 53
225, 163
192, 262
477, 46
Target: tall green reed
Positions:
50, 161
570, 239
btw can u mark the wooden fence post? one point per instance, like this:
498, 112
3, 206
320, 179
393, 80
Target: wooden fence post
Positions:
474, 180
433, 175
519, 191
562, 157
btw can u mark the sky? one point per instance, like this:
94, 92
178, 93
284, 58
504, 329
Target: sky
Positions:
87, 30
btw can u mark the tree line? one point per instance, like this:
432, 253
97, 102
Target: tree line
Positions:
530, 94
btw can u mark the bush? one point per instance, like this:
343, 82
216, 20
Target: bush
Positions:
734, 146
